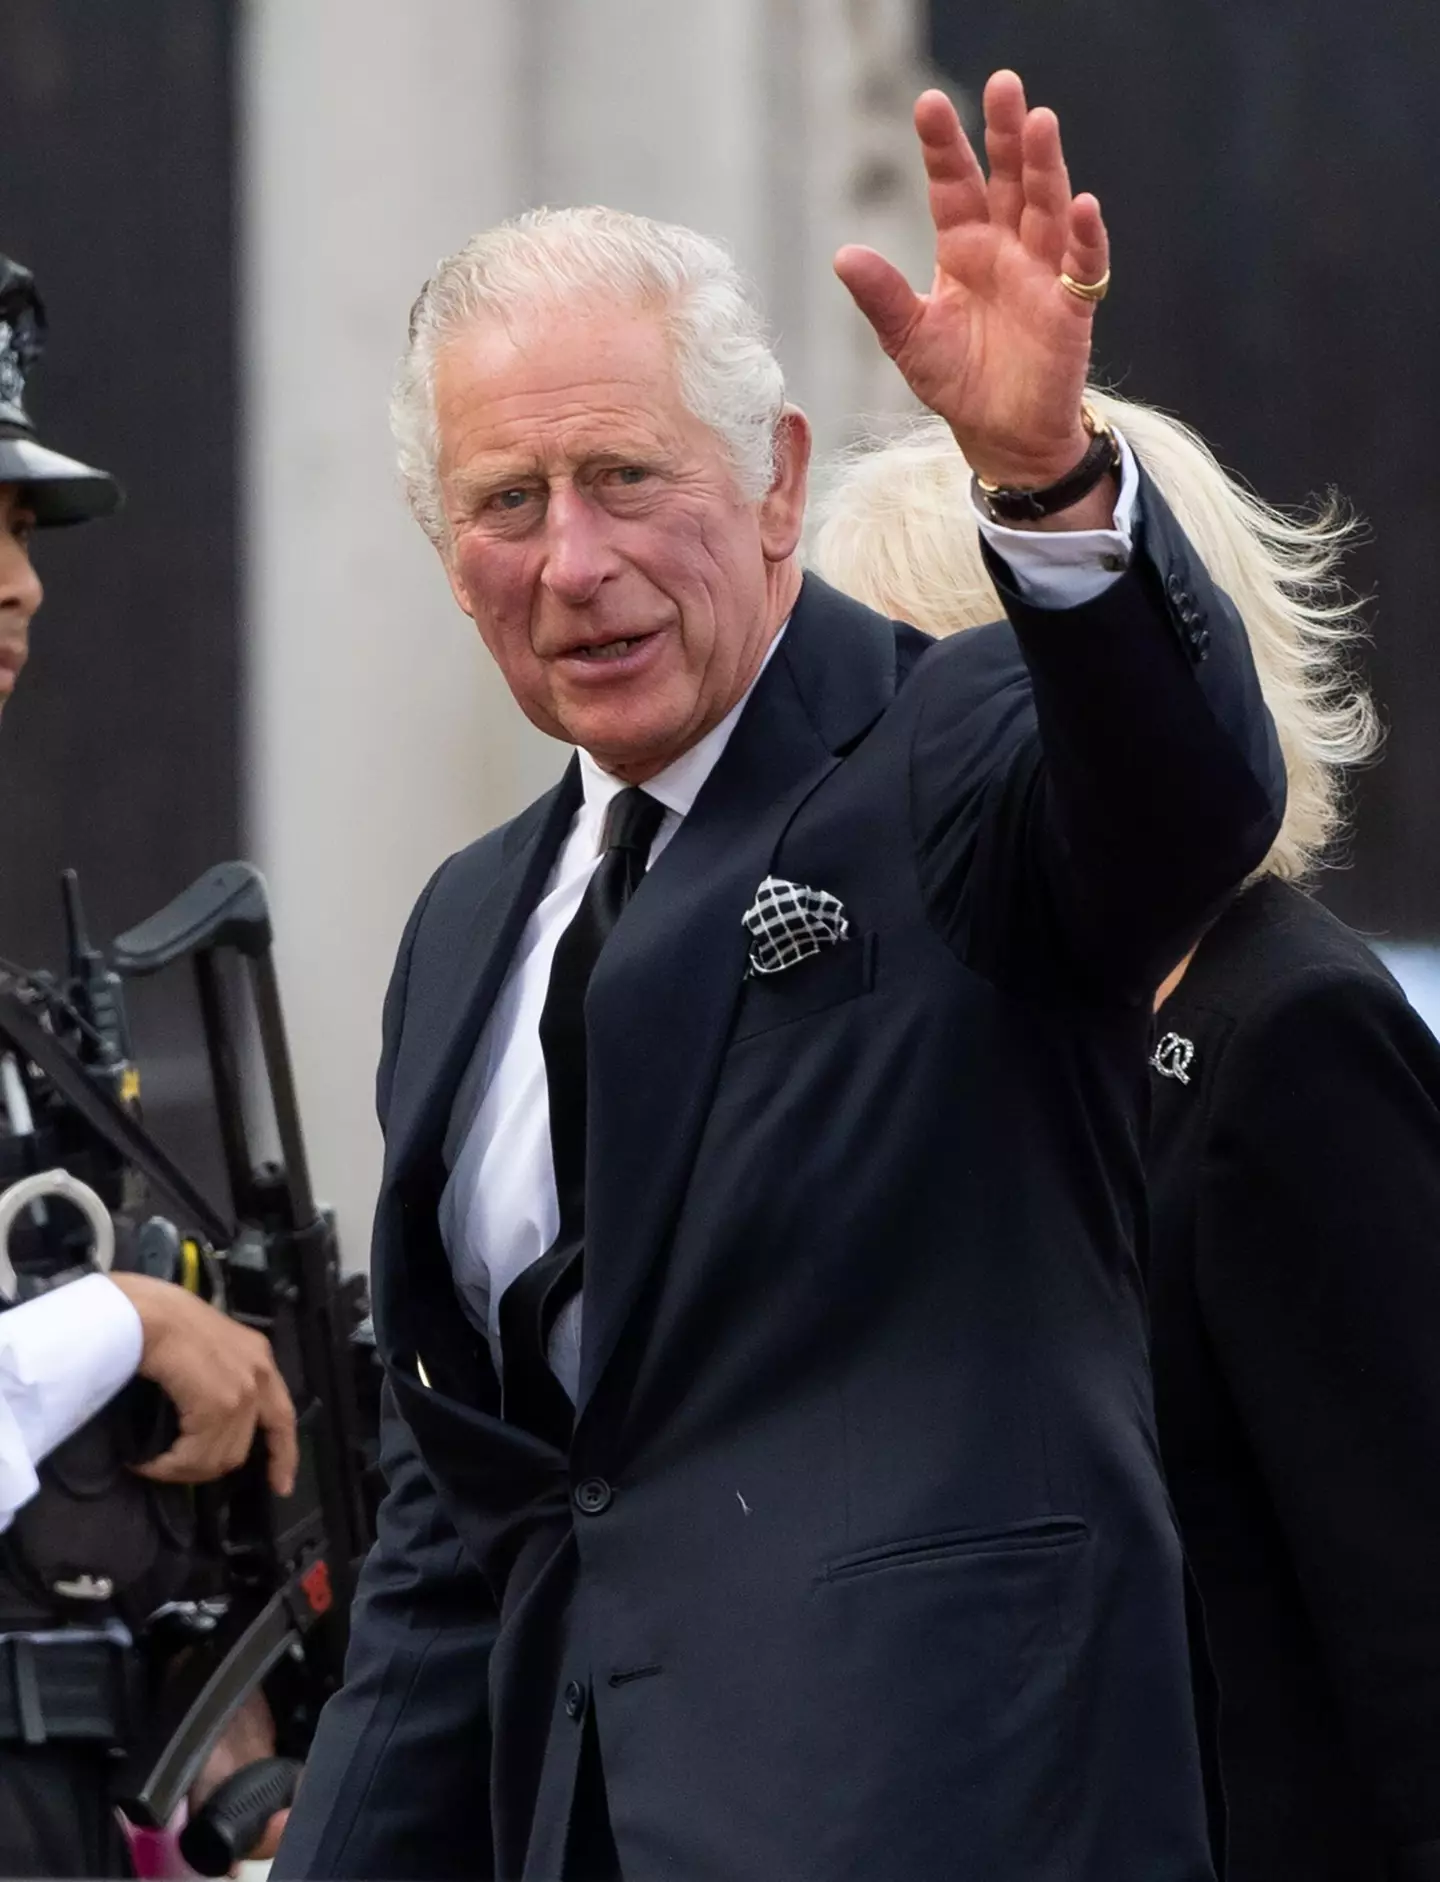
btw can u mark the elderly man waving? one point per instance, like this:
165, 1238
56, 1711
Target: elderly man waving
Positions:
754, 1263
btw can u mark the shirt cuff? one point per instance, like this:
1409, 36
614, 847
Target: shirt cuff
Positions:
1065, 568
63, 1356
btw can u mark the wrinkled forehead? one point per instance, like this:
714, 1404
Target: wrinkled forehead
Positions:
554, 378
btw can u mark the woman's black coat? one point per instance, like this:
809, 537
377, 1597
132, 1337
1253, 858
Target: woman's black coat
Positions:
1295, 1285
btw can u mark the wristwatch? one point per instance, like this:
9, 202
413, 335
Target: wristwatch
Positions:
1004, 504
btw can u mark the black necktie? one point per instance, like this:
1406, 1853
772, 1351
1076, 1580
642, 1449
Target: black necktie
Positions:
529, 1307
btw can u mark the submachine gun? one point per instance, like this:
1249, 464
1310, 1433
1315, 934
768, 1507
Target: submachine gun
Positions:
268, 1600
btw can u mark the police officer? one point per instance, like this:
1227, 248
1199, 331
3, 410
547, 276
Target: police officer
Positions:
66, 1354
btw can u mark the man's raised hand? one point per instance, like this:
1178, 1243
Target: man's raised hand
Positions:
999, 347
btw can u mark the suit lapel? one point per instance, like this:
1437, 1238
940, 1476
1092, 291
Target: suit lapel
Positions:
463, 967
663, 994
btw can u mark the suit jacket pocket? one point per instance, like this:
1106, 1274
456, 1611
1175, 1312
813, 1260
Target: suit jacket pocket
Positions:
975, 1649
832, 977
1040, 1532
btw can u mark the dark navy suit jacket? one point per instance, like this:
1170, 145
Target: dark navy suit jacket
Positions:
861, 1559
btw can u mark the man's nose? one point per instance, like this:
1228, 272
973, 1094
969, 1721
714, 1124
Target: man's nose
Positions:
579, 555
20, 590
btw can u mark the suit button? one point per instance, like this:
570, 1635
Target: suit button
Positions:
1200, 641
574, 1699
1175, 588
592, 1496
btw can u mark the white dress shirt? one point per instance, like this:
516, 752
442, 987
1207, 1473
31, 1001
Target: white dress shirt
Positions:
499, 1211
62, 1357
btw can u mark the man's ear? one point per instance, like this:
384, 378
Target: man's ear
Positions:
782, 508
456, 588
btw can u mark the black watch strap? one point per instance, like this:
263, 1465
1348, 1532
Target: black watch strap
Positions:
1005, 505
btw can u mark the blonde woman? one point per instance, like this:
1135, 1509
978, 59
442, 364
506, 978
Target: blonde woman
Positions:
1295, 1212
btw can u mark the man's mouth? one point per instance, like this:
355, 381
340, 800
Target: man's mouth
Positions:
607, 663
610, 649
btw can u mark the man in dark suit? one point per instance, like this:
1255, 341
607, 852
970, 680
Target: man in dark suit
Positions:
767, 1093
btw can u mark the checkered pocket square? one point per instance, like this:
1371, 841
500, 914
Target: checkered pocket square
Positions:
788, 922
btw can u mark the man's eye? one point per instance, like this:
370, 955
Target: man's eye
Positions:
510, 499
630, 474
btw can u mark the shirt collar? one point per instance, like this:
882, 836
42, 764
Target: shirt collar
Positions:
679, 784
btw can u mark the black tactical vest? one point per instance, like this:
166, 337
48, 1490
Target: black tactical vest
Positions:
97, 1540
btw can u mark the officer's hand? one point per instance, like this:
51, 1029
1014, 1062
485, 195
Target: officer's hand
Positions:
221, 1379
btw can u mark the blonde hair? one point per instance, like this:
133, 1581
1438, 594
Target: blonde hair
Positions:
896, 530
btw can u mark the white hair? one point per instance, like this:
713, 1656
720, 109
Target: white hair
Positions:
729, 377
895, 528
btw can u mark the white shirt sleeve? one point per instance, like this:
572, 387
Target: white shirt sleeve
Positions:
62, 1356
1064, 568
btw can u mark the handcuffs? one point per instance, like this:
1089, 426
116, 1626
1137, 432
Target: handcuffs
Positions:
29, 1190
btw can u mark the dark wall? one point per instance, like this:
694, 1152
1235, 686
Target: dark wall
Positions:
119, 752
1266, 168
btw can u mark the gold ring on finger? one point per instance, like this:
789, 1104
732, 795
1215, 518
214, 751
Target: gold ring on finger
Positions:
1092, 291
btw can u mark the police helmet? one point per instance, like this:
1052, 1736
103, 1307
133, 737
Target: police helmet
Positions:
59, 489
